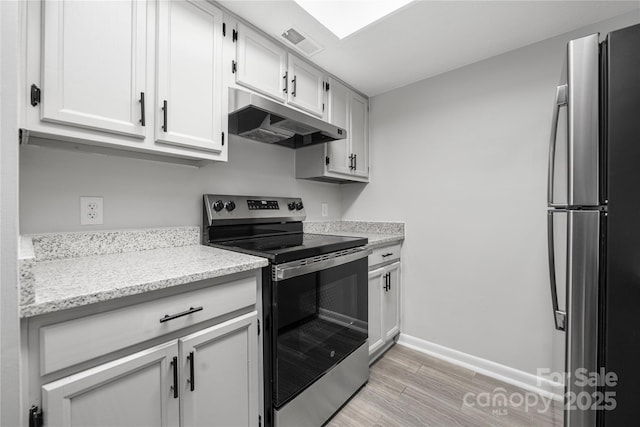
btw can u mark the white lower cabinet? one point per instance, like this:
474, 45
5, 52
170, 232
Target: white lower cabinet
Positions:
133, 391
384, 300
220, 374
207, 378
391, 301
376, 339
174, 357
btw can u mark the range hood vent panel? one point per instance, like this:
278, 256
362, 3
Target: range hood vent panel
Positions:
260, 119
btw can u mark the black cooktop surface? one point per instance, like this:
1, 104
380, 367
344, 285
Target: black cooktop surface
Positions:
290, 247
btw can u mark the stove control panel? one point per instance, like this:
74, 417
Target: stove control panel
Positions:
226, 209
262, 204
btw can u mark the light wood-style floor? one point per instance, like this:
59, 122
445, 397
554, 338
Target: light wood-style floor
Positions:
409, 388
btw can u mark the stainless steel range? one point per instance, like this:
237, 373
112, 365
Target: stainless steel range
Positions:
314, 295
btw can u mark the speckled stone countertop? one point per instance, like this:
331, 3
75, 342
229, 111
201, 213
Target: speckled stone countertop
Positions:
378, 233
26, 261
121, 268
80, 244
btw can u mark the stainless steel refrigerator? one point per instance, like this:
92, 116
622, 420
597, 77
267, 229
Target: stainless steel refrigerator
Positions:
594, 227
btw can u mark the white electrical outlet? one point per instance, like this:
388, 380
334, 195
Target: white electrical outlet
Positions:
91, 210
325, 209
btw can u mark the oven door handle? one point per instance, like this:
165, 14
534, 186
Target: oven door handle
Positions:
298, 268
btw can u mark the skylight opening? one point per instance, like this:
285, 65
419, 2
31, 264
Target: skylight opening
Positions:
345, 17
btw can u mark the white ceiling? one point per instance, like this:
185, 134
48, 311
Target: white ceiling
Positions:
427, 37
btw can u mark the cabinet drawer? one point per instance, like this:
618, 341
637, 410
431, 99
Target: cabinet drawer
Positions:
68, 343
384, 254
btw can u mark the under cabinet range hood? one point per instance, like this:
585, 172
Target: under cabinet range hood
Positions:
261, 119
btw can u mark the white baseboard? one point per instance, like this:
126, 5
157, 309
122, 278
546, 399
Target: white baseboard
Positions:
495, 370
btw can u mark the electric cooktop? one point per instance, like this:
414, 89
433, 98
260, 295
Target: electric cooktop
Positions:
269, 227
290, 247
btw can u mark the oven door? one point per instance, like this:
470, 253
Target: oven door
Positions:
320, 315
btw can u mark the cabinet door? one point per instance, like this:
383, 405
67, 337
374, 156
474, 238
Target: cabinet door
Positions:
339, 115
305, 86
220, 380
93, 64
359, 134
376, 340
391, 302
189, 73
134, 391
261, 64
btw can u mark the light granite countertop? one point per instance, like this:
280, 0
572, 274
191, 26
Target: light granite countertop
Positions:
73, 282
75, 269
375, 239
65, 270
378, 233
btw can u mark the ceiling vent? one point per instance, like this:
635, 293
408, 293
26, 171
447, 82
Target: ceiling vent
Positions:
301, 42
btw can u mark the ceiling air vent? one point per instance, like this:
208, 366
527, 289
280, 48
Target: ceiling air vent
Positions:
301, 42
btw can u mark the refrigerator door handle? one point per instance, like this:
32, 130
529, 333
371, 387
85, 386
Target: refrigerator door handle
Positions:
559, 317
561, 100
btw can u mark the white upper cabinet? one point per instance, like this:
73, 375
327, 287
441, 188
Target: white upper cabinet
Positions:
346, 159
306, 86
189, 105
260, 64
151, 79
265, 67
358, 134
99, 72
339, 115
94, 64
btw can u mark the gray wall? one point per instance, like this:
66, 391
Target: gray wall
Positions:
141, 193
461, 158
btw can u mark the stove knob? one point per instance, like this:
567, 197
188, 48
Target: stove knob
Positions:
299, 206
230, 205
218, 205
291, 205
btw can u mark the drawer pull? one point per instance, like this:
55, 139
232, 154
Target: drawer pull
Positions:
167, 317
387, 254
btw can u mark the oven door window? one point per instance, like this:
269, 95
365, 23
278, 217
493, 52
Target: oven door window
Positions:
320, 318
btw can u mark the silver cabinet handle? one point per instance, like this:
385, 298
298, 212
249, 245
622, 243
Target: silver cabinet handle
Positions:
561, 100
559, 316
